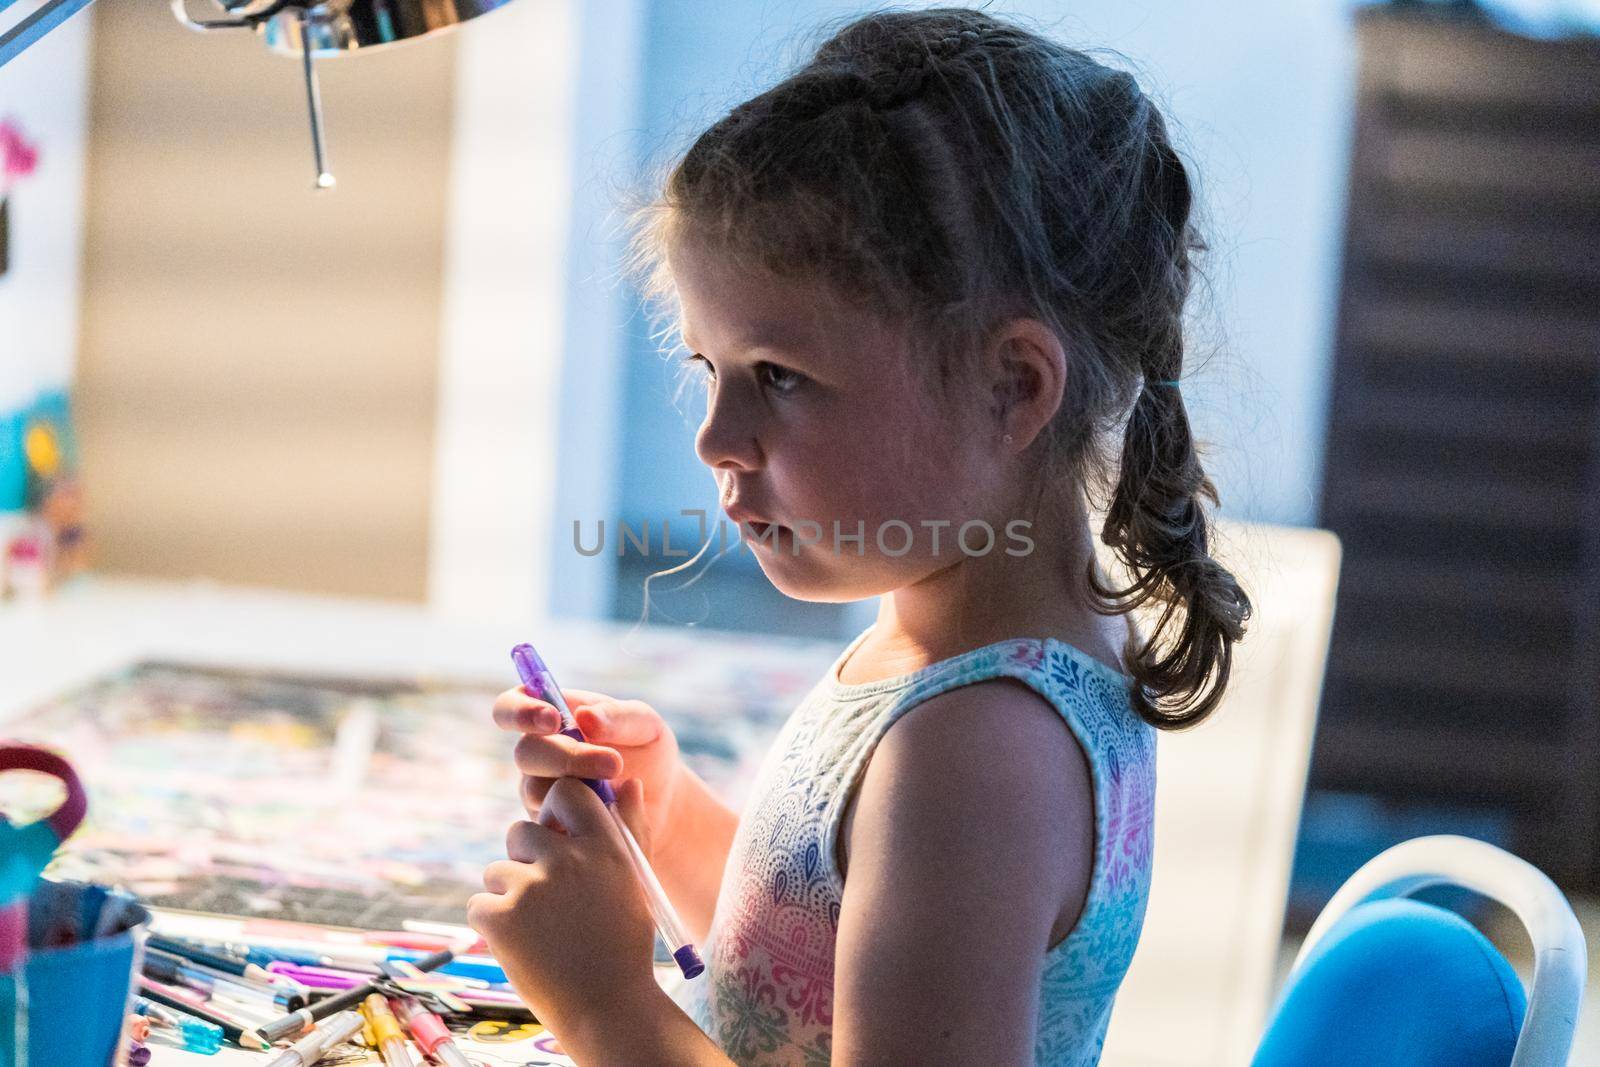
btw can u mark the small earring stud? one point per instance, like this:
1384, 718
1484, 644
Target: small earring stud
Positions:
1006, 439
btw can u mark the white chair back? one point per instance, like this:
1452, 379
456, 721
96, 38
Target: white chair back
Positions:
1228, 800
1560, 957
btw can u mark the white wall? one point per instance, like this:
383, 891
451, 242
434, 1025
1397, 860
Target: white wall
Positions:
531, 349
1261, 93
500, 338
45, 92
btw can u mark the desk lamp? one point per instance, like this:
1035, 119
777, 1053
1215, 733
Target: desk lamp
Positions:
304, 28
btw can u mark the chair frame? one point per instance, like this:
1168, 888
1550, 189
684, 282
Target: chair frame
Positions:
1560, 954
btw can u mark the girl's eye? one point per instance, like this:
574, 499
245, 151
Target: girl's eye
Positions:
779, 379
701, 364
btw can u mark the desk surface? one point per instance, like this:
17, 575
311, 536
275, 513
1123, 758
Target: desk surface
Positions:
100, 625
104, 626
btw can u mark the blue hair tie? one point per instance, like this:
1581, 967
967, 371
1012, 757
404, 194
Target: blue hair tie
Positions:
1158, 381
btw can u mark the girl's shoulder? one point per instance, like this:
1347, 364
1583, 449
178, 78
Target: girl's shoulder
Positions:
1090, 694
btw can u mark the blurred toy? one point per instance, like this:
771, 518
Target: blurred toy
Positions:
42, 541
18, 159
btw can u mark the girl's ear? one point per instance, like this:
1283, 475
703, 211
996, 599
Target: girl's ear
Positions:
1028, 372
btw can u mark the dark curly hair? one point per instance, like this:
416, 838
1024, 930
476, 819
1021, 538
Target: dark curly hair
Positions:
951, 169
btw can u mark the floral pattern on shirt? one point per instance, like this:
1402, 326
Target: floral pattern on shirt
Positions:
767, 995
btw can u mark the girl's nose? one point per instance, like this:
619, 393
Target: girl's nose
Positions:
727, 439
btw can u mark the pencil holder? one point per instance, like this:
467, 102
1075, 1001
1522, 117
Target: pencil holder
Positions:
78, 995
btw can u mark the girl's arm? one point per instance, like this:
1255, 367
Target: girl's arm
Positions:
969, 855
689, 853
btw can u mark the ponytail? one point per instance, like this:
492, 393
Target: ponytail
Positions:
1157, 522
1159, 529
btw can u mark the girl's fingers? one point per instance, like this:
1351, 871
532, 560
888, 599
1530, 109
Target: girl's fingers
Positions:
484, 911
502, 875
526, 842
578, 698
630, 805
518, 712
577, 809
533, 791
559, 756
626, 723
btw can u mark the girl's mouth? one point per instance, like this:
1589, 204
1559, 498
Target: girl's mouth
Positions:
763, 534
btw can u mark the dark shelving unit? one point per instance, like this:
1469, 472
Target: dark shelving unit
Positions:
1463, 458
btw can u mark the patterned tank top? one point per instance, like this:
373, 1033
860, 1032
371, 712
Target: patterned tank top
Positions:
767, 995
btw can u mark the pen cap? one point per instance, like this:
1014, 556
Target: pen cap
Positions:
427, 1029
199, 1036
531, 669
536, 677
385, 1027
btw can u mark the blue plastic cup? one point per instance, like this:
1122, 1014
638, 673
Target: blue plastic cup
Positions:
79, 997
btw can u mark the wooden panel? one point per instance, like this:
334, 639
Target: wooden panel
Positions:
1377, 755
1504, 164
1510, 336
1463, 458
1480, 419
1503, 670
1416, 236
1530, 590
1465, 64
1477, 502
258, 361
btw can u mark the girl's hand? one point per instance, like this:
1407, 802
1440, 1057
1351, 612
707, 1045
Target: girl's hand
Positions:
565, 915
628, 739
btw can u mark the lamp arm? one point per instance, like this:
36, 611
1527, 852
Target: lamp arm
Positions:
51, 14
180, 11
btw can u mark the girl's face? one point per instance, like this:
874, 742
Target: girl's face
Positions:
817, 420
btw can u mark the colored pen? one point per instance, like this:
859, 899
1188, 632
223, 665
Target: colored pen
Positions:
480, 967
311, 1048
252, 1012
314, 951
179, 983
265, 953
297, 1022
203, 954
386, 1032
443, 997
176, 970
429, 1032
402, 939
188, 1032
172, 998
502, 1010
315, 978
536, 676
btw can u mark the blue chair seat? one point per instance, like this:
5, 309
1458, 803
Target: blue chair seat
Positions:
1398, 983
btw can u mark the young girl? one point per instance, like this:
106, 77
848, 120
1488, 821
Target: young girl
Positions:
934, 278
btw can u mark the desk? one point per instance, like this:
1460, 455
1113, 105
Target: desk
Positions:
104, 626
533, 1052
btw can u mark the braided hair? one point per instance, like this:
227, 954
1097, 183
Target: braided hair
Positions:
950, 169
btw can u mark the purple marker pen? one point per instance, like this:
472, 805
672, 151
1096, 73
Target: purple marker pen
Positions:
536, 676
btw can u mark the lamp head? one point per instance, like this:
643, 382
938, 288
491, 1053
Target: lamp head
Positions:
338, 26
314, 28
